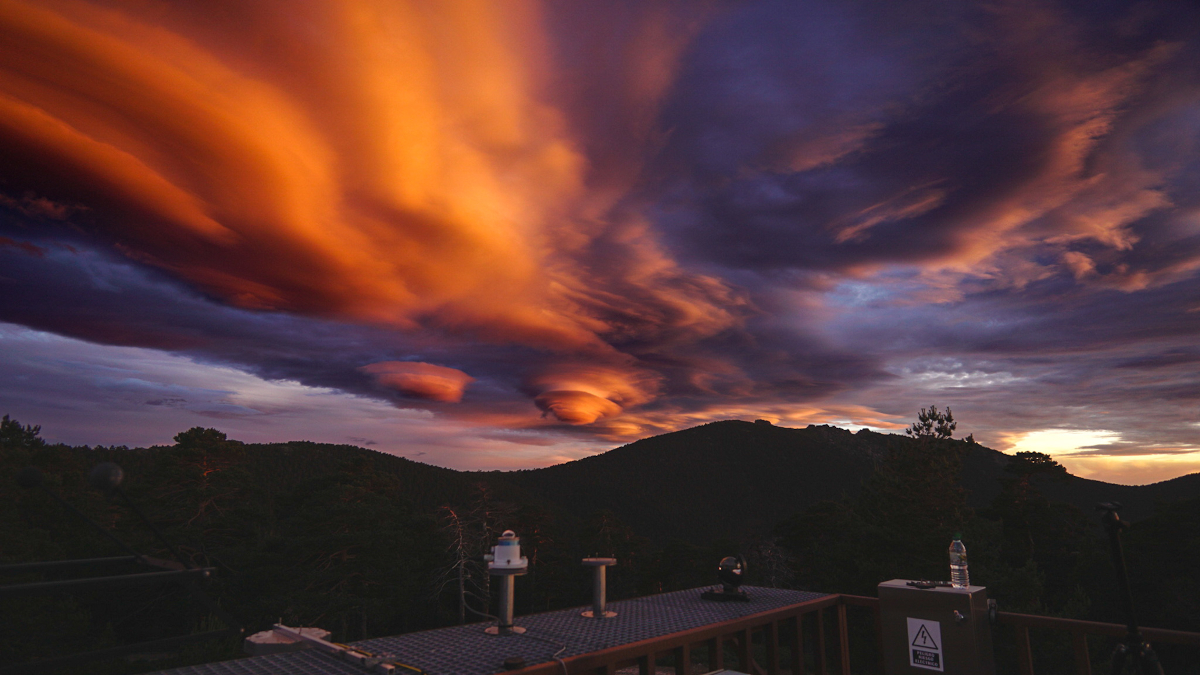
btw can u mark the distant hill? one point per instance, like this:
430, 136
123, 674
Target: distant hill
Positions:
719, 480
727, 479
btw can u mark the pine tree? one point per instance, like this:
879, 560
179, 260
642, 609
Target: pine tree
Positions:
933, 423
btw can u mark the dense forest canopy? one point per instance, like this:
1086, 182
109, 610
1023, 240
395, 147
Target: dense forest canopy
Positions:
367, 544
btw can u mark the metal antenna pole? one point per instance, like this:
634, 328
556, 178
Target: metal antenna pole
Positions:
1132, 648
1113, 526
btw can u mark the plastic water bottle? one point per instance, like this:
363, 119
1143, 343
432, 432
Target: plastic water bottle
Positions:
958, 565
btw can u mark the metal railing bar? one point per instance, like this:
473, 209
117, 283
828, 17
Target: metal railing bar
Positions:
160, 563
21, 568
43, 665
116, 580
17, 568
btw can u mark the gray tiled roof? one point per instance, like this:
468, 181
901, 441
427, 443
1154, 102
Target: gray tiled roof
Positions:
467, 650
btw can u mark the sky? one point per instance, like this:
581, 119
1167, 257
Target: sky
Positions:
507, 235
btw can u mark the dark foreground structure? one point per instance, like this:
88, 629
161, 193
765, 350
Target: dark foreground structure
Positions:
644, 629
776, 632
912, 628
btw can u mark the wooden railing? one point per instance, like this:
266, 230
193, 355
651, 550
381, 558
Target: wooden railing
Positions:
1080, 630
785, 629
773, 633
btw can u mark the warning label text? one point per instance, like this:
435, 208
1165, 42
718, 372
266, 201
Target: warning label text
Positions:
925, 644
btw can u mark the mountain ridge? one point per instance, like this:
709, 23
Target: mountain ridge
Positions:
731, 478
726, 479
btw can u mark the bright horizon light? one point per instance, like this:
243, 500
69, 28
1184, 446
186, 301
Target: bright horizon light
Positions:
1070, 447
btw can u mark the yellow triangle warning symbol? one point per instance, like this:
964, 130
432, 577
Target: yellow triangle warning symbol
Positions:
924, 639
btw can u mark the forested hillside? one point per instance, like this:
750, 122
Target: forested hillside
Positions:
730, 479
365, 544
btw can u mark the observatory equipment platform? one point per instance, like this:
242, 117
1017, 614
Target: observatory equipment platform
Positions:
467, 650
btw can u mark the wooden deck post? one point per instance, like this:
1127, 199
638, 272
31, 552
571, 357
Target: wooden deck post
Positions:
1024, 654
744, 651
879, 636
1083, 660
843, 638
798, 646
683, 660
773, 648
821, 663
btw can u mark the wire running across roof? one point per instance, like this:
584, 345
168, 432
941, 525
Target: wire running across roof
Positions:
467, 650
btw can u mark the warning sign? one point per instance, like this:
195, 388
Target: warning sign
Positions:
925, 644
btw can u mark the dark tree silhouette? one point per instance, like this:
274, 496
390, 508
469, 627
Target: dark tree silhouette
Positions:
933, 423
13, 435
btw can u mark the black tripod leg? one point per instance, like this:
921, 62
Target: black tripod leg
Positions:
1118, 658
1147, 660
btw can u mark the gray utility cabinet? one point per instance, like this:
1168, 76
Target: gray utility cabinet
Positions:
935, 630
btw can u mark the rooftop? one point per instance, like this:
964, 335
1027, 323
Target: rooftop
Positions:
467, 650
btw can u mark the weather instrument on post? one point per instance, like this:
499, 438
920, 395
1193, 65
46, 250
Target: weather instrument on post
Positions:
1133, 651
730, 571
599, 587
505, 561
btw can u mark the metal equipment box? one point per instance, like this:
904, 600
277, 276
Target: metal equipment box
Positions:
940, 629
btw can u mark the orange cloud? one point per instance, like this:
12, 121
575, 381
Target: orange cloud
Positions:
575, 407
581, 393
1080, 264
382, 194
911, 203
423, 380
401, 164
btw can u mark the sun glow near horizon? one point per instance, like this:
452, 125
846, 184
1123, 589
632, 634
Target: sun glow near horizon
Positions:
1075, 449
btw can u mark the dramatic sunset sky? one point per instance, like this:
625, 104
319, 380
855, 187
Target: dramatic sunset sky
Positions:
509, 234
